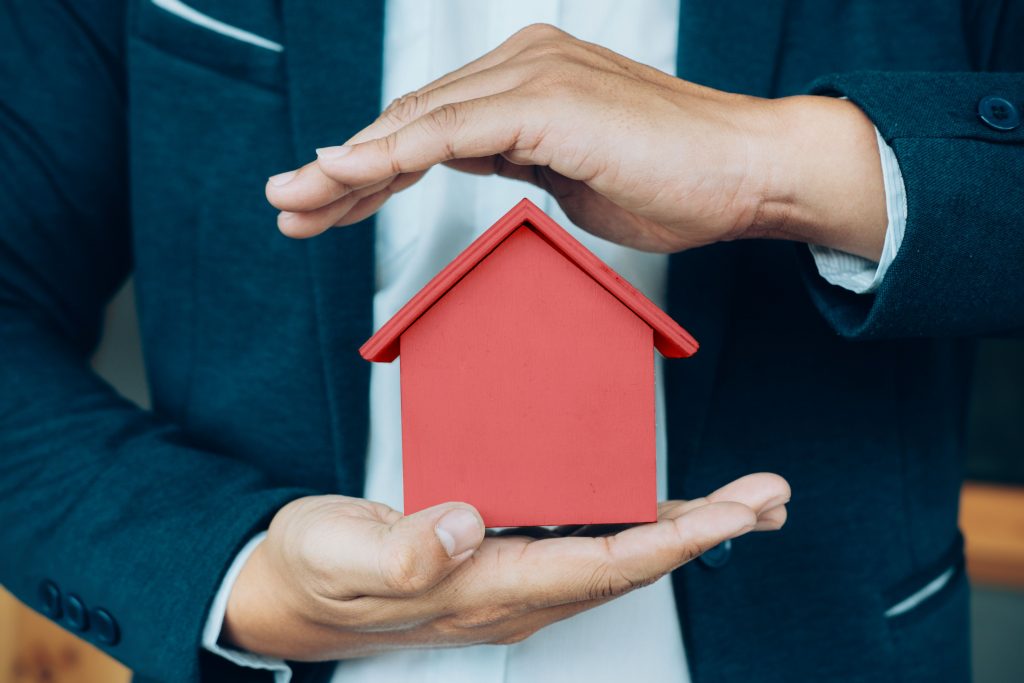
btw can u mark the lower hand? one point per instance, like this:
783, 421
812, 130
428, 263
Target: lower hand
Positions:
631, 154
339, 577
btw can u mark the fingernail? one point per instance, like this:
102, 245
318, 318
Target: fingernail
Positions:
458, 530
332, 153
282, 178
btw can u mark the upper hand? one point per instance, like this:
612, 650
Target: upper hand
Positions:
341, 577
631, 154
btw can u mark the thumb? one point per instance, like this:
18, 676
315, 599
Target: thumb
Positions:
421, 549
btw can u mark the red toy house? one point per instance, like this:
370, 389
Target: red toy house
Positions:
528, 381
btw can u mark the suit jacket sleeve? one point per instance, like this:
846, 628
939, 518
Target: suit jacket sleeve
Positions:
958, 271
110, 503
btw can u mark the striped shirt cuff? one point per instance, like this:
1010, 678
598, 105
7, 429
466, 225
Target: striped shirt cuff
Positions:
215, 621
859, 274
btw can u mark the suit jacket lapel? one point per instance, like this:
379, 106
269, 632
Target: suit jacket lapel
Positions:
333, 56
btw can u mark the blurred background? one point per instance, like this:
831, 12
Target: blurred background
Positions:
33, 649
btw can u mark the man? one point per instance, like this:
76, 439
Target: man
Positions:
140, 529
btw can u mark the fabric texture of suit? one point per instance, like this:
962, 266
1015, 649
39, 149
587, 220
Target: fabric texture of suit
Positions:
134, 142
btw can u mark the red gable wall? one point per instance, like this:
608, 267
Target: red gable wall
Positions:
528, 391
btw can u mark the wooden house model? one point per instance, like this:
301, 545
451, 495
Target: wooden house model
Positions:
527, 381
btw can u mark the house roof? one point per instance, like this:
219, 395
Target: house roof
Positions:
669, 338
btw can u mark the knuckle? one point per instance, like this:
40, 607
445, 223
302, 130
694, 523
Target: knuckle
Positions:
446, 118
689, 548
388, 148
605, 582
478, 618
405, 108
547, 50
401, 570
599, 583
541, 31
444, 123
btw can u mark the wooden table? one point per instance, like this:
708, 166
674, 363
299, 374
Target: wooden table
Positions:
992, 519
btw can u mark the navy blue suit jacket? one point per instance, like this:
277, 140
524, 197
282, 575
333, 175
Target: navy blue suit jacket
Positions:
133, 142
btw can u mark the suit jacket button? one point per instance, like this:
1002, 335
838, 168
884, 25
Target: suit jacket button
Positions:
714, 558
104, 626
49, 598
75, 614
998, 113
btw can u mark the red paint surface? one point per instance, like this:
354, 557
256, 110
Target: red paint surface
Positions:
528, 391
669, 338
528, 381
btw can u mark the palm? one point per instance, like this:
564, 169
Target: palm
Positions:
584, 206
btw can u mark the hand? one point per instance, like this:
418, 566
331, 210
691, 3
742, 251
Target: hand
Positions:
338, 577
631, 154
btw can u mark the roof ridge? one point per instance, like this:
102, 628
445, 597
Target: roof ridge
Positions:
669, 338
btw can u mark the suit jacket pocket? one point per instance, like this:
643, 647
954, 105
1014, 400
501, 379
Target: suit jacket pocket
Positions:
244, 46
927, 616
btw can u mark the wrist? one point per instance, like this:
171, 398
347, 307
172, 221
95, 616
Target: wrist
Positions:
259, 610
825, 182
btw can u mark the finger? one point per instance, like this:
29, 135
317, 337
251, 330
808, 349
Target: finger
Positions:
404, 558
472, 128
514, 576
765, 493
641, 554
772, 520
497, 165
302, 224
306, 190
303, 189
345, 211
515, 630
313, 187
559, 571
525, 575
367, 206
469, 86
512, 46
768, 519
760, 492
494, 72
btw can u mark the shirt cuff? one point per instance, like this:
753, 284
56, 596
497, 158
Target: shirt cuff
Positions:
858, 274
215, 621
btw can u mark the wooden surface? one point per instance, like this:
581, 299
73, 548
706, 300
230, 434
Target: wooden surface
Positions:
992, 519
35, 650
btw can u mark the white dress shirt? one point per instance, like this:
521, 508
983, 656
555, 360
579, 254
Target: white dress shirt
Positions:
420, 230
